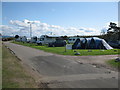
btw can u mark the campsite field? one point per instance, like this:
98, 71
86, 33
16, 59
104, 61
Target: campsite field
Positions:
61, 50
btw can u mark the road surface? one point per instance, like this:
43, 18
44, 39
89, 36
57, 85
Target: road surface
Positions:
60, 72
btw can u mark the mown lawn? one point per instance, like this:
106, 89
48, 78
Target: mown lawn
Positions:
61, 50
13, 74
113, 63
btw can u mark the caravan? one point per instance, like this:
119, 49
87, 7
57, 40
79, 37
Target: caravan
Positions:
33, 39
46, 39
22, 39
72, 39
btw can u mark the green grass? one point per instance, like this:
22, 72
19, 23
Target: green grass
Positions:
113, 63
61, 50
14, 74
0, 64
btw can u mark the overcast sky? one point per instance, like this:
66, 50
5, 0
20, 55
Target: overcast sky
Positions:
60, 18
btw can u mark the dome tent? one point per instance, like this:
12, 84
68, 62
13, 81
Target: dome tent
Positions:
79, 43
91, 43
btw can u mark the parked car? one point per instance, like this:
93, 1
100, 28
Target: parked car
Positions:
114, 44
57, 43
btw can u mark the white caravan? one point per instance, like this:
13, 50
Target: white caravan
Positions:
33, 39
72, 39
46, 39
22, 39
18, 39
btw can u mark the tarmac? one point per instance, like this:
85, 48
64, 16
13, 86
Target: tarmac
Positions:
57, 71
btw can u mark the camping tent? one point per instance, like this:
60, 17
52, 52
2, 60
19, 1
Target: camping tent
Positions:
91, 43
78, 43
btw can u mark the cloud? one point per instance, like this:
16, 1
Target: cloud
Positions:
7, 30
39, 28
18, 23
55, 26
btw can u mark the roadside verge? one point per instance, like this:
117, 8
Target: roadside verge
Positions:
14, 75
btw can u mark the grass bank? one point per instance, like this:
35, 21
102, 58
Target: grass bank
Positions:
61, 50
13, 74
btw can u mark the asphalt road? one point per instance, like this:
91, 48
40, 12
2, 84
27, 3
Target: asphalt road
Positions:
58, 72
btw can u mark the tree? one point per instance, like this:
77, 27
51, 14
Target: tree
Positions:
64, 37
113, 28
113, 32
16, 36
78, 36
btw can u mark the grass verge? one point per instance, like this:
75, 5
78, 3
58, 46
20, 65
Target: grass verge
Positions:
113, 63
13, 74
61, 50
0, 64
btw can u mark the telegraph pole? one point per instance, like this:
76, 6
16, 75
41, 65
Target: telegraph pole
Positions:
30, 29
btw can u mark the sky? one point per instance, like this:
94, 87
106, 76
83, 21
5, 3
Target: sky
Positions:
60, 18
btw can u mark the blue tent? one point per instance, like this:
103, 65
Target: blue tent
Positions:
91, 43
